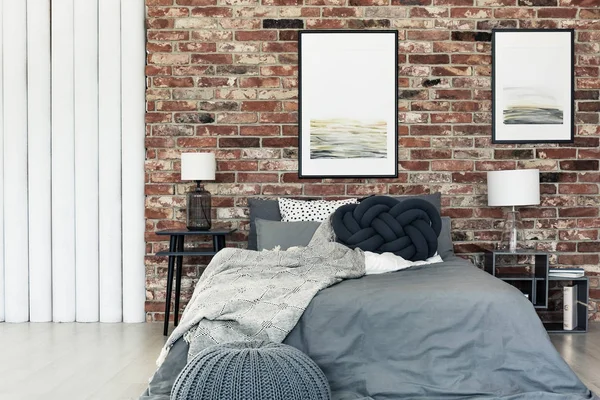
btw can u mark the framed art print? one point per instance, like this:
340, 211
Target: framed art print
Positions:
348, 111
532, 86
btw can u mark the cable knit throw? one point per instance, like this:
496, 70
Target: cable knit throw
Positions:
251, 371
381, 224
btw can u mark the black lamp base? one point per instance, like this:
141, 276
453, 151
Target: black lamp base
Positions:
199, 209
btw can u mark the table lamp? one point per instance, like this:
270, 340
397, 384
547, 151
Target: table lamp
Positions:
198, 167
513, 188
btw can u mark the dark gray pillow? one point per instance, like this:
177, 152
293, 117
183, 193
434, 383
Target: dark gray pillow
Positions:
263, 209
445, 247
270, 234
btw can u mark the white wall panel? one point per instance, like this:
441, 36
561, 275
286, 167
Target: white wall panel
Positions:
1, 171
109, 144
72, 108
39, 161
63, 163
16, 266
86, 159
133, 128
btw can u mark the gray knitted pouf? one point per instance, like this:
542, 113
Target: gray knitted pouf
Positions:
251, 371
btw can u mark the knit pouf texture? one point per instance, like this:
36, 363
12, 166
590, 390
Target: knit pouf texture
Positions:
251, 371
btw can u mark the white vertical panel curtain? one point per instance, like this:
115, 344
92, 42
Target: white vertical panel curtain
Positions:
72, 160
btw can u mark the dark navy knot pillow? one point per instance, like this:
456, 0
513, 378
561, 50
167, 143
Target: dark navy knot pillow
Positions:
382, 224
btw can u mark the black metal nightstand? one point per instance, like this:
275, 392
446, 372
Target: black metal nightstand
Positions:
176, 253
533, 279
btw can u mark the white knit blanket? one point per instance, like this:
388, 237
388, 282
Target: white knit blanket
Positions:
251, 295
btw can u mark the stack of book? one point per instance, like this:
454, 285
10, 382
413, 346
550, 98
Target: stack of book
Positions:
566, 272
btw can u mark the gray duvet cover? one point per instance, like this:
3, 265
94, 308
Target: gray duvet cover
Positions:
442, 331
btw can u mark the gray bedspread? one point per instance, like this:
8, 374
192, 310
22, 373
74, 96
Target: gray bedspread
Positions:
442, 331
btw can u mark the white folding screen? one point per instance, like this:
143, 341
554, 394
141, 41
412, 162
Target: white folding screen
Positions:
39, 160
109, 173
2, 307
63, 162
133, 39
86, 159
72, 160
16, 249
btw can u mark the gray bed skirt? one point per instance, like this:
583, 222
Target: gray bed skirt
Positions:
442, 331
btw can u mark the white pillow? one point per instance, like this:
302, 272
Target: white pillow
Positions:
313, 210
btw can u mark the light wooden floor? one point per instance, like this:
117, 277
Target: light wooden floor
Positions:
77, 361
582, 352
114, 361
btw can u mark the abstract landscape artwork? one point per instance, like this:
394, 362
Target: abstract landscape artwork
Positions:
532, 86
347, 138
530, 105
348, 114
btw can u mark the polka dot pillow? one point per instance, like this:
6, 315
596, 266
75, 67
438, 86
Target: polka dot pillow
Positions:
313, 210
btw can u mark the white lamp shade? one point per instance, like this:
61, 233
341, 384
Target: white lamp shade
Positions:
514, 187
198, 166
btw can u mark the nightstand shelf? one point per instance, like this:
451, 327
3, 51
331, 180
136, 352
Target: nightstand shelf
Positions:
532, 278
582, 285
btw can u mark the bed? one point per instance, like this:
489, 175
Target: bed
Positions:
438, 331
444, 330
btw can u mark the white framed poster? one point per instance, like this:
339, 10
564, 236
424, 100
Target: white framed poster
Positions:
532, 86
348, 104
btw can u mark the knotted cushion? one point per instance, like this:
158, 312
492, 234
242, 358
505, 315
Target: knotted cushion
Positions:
251, 371
381, 224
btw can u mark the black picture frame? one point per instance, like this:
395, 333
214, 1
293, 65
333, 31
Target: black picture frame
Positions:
499, 130
302, 136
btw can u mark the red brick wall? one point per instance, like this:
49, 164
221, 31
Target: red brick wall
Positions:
222, 76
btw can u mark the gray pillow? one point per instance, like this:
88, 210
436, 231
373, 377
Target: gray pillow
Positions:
445, 247
270, 234
263, 209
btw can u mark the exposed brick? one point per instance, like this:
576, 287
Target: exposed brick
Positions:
513, 154
196, 2
516, 13
368, 23
471, 59
470, 12
223, 76
197, 142
451, 94
239, 142
496, 24
212, 12
554, 12
471, 36
579, 165
259, 82
451, 71
451, 165
411, 2
173, 82
283, 24
578, 212
426, 130
589, 247
212, 59
429, 59
578, 259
